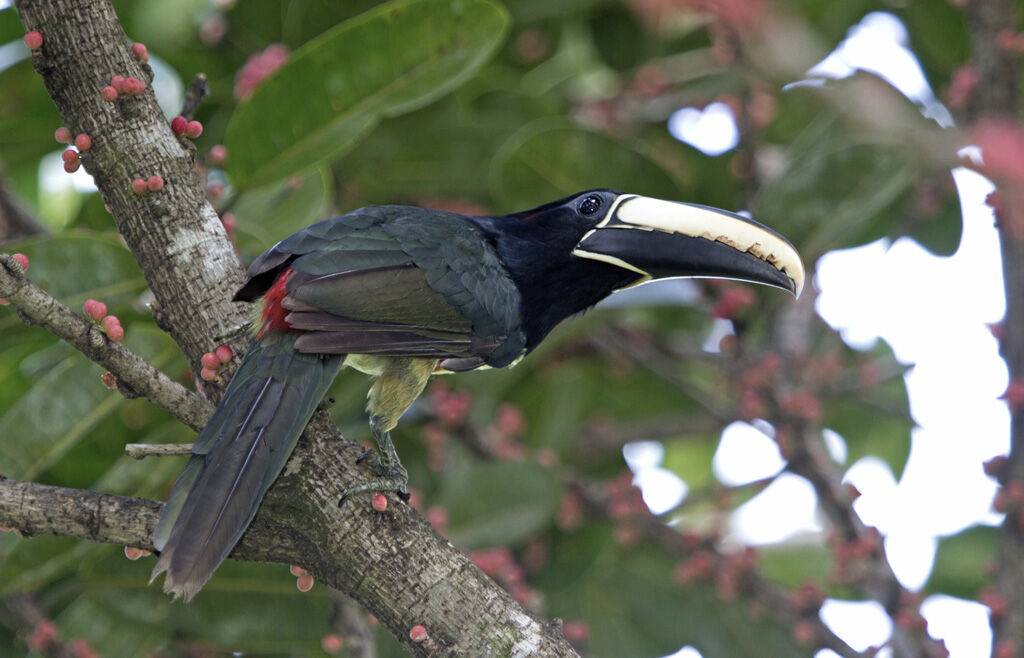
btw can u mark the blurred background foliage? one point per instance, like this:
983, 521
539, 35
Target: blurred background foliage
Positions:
475, 106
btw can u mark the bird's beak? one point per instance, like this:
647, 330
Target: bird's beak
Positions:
658, 239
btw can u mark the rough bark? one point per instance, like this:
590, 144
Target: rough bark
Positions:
393, 563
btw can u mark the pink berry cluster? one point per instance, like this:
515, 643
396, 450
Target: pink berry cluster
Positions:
258, 67
854, 558
182, 126
72, 159
500, 564
212, 362
304, 581
45, 638
625, 506
122, 86
144, 186
732, 299
23, 261
97, 312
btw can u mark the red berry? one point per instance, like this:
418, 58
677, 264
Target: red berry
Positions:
133, 553
1005, 649
1014, 394
207, 374
34, 40
62, 135
178, 125
210, 361
297, 571
438, 517
109, 380
94, 310
155, 183
803, 632
69, 155
42, 636
108, 93
83, 142
117, 82
133, 87
418, 633
140, 51
194, 129
304, 583
72, 166
332, 643
218, 154
112, 326
224, 353
379, 502
576, 631
994, 467
139, 186
22, 260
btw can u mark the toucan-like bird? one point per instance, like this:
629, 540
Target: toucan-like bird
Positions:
402, 293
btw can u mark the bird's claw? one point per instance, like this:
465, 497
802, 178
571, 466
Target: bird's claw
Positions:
390, 477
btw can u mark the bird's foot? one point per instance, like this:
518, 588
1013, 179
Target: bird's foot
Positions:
389, 477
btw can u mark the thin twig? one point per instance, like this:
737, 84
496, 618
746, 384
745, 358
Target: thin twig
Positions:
143, 450
37, 307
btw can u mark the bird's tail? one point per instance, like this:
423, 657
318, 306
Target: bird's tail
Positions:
236, 458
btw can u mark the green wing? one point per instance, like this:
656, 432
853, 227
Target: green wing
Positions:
396, 281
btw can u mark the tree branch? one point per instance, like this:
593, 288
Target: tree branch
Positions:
393, 563
998, 95
37, 307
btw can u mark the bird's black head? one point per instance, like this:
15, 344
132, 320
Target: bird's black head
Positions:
567, 255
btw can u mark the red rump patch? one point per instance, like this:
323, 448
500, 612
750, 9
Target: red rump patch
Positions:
273, 313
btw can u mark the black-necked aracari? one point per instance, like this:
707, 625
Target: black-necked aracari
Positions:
401, 293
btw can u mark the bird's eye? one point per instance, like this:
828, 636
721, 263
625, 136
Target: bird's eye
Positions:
590, 205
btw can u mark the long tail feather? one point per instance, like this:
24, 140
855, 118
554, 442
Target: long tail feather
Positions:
236, 458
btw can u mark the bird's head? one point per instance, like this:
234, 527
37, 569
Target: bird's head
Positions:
569, 254
660, 239
649, 239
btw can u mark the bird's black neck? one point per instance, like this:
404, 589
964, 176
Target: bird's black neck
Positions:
553, 283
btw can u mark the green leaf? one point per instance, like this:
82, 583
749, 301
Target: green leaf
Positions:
499, 503
268, 214
334, 90
549, 159
962, 562
633, 608
64, 404
78, 265
842, 184
690, 459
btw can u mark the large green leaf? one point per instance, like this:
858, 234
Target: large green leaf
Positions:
633, 608
65, 403
499, 503
333, 90
847, 180
270, 213
551, 159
